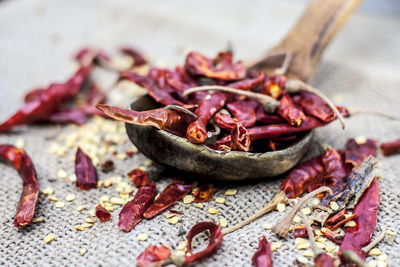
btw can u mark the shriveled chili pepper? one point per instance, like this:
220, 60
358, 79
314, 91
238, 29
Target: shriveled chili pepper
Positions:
390, 148
289, 111
157, 93
335, 170
273, 86
43, 105
262, 257
197, 131
68, 115
248, 84
302, 176
204, 193
346, 219
172, 120
138, 58
367, 210
240, 138
357, 152
300, 231
315, 106
214, 243
30, 190
138, 177
222, 68
169, 196
243, 112
153, 254
32, 94
225, 121
86, 175
333, 236
103, 214
340, 216
132, 212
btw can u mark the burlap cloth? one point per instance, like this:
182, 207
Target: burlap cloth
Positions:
37, 38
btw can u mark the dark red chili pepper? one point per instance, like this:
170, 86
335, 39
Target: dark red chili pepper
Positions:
204, 193
315, 106
262, 257
248, 83
225, 121
138, 59
390, 148
367, 209
171, 194
355, 153
30, 190
240, 138
302, 176
138, 177
273, 86
132, 212
196, 131
86, 175
68, 115
222, 68
35, 93
289, 111
214, 243
335, 170
262, 116
300, 231
324, 260
153, 254
243, 112
46, 103
157, 93
103, 214
171, 120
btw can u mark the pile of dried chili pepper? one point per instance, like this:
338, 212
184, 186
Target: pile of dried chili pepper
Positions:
220, 103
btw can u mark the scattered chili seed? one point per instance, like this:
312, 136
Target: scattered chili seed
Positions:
72, 178
70, 197
231, 192
220, 200
81, 208
87, 225
79, 227
306, 211
281, 207
107, 182
383, 257
350, 224
267, 226
302, 260
52, 198
142, 237
60, 204
304, 245
90, 220
199, 205
48, 238
375, 252
82, 251
334, 206
174, 220
36, 220
62, 173
188, 199
308, 253
48, 191
19, 143
297, 219
360, 140
276, 245
117, 201
213, 211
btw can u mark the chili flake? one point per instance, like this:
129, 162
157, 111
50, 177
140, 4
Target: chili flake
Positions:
60, 204
48, 238
70, 197
36, 220
48, 191
223, 222
213, 211
231, 192
276, 245
220, 200
82, 251
142, 237
188, 199
81, 208
174, 220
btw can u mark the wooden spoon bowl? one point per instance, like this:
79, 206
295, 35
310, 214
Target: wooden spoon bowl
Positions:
306, 42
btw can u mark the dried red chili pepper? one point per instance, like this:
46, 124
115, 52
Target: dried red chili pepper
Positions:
262, 257
43, 105
132, 212
225, 121
138, 177
240, 138
335, 170
346, 219
196, 131
68, 115
30, 190
355, 152
302, 176
333, 236
323, 260
273, 86
169, 196
103, 214
86, 175
204, 193
138, 59
95, 95
300, 231
390, 148
157, 93
367, 209
248, 83
340, 216
243, 112
176, 212
222, 68
171, 120
214, 243
153, 254
35, 93
289, 111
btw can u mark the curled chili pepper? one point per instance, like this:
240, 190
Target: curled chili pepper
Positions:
315, 106
240, 138
169, 196
214, 243
138, 58
196, 131
44, 104
262, 257
222, 68
390, 148
30, 191
289, 111
356, 152
243, 112
171, 120
86, 175
204, 193
132, 212
367, 210
225, 121
138, 177
103, 214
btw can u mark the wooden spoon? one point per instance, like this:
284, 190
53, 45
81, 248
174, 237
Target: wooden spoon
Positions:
305, 43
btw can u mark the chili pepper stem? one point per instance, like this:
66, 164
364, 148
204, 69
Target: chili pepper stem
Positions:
176, 107
355, 111
279, 197
376, 241
268, 103
295, 86
310, 234
282, 227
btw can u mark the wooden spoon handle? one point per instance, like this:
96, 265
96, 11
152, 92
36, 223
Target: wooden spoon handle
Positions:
308, 38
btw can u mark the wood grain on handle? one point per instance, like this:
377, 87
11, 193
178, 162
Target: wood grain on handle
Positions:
308, 38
